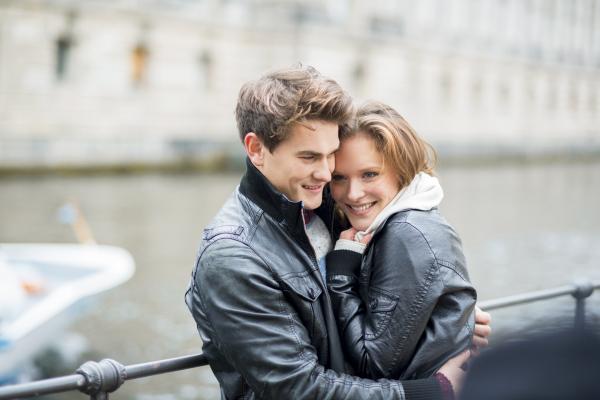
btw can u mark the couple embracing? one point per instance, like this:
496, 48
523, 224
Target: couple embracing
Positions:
329, 273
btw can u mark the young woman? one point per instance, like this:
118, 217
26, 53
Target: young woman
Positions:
404, 304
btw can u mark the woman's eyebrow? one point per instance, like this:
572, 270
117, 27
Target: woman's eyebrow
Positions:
368, 168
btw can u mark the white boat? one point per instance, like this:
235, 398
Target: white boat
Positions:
61, 280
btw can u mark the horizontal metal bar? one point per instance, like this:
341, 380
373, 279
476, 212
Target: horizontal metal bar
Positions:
78, 381
532, 296
46, 386
163, 366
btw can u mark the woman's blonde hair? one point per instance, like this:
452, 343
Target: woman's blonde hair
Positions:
400, 146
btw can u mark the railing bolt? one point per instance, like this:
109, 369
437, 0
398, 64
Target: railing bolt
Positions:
102, 378
584, 288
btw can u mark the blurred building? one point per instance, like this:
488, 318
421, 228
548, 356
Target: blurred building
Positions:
112, 82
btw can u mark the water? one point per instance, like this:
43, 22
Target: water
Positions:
524, 228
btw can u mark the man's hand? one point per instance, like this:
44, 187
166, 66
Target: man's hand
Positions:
454, 373
349, 234
482, 330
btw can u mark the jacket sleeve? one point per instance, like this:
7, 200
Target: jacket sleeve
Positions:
241, 308
416, 314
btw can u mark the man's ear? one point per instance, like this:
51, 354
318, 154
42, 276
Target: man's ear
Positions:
255, 149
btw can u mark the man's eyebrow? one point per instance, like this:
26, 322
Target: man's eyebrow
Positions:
309, 153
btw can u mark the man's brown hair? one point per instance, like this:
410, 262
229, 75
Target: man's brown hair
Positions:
398, 143
280, 98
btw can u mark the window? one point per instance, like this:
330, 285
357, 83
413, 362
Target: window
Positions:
445, 90
573, 97
592, 98
205, 66
530, 93
63, 54
504, 96
359, 77
477, 93
139, 61
552, 96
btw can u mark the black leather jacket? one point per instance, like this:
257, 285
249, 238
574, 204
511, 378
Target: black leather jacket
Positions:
409, 307
262, 307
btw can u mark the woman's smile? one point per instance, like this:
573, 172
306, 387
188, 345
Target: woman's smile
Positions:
360, 209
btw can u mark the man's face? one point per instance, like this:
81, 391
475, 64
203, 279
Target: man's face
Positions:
302, 164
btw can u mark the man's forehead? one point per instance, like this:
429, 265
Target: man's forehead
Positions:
316, 132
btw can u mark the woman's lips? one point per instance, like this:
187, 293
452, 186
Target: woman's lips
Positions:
360, 209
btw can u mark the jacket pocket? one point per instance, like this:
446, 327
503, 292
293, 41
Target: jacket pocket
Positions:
380, 307
302, 292
303, 286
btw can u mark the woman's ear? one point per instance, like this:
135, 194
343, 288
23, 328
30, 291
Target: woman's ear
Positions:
255, 149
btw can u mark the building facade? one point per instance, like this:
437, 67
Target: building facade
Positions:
113, 82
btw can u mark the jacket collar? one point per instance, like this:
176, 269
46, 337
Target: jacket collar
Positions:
258, 189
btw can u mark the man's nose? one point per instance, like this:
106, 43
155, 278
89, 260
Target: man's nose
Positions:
323, 171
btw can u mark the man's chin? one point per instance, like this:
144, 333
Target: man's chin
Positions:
311, 204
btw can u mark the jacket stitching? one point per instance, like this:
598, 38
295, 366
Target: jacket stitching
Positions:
415, 310
452, 267
444, 263
469, 327
429, 280
417, 303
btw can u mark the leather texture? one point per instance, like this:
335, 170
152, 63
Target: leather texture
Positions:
262, 308
409, 306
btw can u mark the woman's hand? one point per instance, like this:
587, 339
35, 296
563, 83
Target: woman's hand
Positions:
454, 373
482, 330
350, 233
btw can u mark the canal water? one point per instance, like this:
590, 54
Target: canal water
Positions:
524, 228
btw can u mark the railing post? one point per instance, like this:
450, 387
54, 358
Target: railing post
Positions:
580, 313
583, 289
102, 378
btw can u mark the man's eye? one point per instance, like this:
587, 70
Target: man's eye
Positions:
308, 158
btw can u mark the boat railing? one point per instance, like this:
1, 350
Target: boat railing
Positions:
98, 379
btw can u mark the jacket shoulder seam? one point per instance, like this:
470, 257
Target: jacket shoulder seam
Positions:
440, 262
452, 267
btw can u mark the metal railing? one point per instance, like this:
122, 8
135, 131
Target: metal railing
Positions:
580, 289
98, 379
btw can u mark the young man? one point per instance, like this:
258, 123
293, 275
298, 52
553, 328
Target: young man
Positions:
257, 291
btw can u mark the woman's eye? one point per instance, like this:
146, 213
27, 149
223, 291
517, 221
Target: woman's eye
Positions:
370, 175
337, 177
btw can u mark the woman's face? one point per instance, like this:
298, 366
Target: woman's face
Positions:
359, 184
